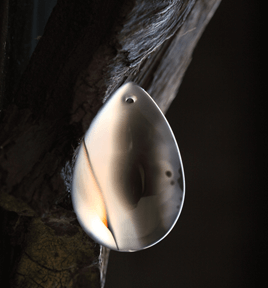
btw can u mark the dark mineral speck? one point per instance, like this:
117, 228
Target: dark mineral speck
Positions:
168, 173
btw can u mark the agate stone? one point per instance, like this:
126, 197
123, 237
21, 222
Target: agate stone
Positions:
128, 183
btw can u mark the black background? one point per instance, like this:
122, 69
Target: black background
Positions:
218, 120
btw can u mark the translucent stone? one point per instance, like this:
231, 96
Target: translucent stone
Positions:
128, 182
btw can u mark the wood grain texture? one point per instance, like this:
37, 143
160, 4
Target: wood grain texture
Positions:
176, 55
88, 50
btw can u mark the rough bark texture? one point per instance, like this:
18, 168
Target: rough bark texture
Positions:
88, 49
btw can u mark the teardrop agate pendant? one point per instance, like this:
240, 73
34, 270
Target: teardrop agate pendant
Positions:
128, 183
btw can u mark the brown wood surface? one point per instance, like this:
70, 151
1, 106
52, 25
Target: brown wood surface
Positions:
88, 50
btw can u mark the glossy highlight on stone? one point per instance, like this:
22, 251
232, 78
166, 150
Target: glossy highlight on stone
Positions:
128, 184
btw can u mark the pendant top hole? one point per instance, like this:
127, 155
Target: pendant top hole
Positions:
129, 100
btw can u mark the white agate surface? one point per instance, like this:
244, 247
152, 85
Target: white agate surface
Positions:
128, 184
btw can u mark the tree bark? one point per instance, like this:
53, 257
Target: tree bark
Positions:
87, 51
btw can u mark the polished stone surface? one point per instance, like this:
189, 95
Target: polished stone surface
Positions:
128, 183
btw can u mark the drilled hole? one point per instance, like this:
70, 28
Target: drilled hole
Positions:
129, 100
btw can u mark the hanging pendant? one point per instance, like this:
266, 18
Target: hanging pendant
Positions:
128, 184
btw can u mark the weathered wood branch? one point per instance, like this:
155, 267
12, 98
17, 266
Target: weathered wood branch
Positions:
88, 49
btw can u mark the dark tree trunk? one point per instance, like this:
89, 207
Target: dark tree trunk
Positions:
88, 49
